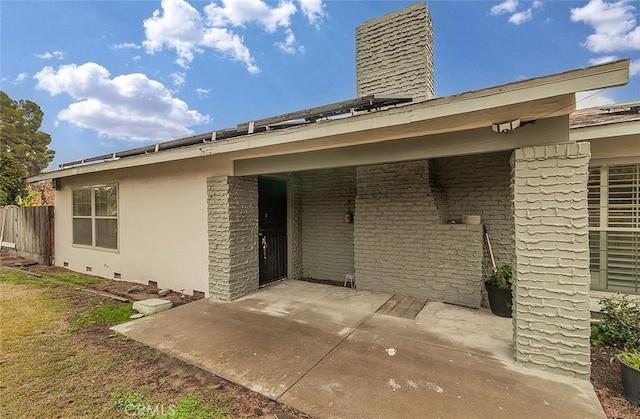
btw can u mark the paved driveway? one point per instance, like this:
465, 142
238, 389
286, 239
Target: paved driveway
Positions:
325, 351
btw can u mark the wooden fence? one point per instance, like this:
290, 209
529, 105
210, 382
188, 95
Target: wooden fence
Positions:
28, 230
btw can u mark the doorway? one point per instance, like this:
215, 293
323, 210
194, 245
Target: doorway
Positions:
272, 228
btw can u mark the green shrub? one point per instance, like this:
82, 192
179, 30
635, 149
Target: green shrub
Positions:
619, 327
501, 276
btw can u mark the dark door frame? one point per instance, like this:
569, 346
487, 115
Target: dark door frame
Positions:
273, 229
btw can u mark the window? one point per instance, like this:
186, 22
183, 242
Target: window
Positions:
95, 216
614, 227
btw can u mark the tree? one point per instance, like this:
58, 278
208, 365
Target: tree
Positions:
12, 174
44, 189
20, 134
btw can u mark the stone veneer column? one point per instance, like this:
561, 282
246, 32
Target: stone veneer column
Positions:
233, 236
551, 315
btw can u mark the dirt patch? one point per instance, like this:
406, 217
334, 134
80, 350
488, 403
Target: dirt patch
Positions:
132, 291
51, 367
136, 292
169, 379
101, 362
606, 380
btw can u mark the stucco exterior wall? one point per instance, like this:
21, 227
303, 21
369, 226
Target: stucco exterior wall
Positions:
161, 225
394, 54
551, 315
327, 241
401, 246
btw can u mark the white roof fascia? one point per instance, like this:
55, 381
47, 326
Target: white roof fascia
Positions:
590, 78
614, 129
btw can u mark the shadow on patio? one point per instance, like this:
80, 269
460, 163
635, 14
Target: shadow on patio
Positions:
325, 351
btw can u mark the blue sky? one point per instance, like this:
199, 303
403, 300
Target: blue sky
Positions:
112, 75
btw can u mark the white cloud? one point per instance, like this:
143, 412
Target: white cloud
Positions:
289, 44
179, 78
203, 93
592, 98
510, 6
136, 58
616, 30
180, 27
49, 55
20, 78
241, 12
313, 10
507, 6
614, 24
634, 67
130, 106
521, 17
602, 60
126, 45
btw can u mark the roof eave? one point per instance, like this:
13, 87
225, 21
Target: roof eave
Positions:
553, 86
613, 129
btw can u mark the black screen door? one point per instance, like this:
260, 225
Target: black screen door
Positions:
272, 224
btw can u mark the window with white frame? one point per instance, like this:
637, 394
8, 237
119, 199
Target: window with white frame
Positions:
95, 216
614, 227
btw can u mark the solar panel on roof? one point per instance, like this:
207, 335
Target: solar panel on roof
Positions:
288, 120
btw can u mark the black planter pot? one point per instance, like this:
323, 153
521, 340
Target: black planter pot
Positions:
630, 382
500, 300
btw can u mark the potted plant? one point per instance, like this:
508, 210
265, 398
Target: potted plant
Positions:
499, 290
630, 367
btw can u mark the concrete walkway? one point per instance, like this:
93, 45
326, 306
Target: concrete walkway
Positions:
324, 351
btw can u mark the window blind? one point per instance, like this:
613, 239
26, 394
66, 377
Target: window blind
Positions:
614, 227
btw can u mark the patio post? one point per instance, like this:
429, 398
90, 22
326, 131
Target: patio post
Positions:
551, 315
233, 235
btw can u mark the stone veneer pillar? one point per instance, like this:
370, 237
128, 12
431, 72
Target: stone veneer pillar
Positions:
551, 315
233, 236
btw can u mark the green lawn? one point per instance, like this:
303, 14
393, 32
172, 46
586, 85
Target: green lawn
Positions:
58, 358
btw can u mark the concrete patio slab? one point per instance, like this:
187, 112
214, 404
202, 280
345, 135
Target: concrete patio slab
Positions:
308, 302
477, 331
324, 351
266, 341
381, 374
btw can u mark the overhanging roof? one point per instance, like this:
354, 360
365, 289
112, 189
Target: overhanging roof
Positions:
527, 100
617, 120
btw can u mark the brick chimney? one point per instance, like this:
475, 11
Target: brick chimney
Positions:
394, 54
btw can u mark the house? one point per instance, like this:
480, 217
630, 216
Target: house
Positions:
614, 194
372, 194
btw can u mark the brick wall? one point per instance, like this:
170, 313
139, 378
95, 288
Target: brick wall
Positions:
551, 291
294, 236
327, 240
233, 229
479, 184
394, 54
400, 244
